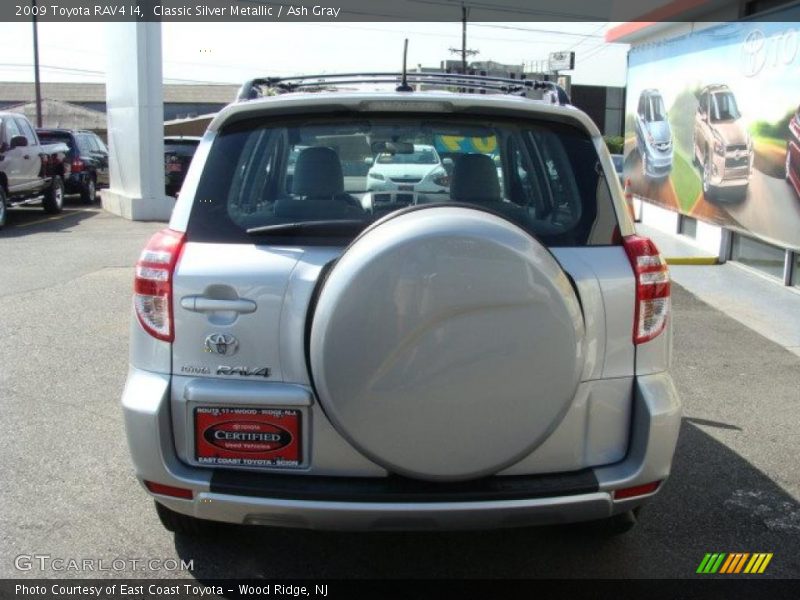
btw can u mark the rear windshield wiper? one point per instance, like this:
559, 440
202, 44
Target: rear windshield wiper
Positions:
330, 226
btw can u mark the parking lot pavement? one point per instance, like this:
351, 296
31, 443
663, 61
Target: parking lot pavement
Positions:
68, 491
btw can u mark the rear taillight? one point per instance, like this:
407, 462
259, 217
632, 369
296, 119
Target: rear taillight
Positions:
152, 288
652, 288
77, 165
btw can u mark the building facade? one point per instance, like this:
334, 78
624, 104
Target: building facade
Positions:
180, 101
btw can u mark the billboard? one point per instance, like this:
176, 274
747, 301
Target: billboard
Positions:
712, 126
561, 61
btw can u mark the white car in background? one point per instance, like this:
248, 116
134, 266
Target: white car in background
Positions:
395, 176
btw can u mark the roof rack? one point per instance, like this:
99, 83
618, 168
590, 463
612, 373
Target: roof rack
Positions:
266, 86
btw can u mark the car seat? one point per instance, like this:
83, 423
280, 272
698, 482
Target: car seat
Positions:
475, 181
318, 189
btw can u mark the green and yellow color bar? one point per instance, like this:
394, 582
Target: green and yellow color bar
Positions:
735, 562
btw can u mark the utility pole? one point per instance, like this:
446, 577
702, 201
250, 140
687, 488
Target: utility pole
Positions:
463, 50
464, 14
37, 83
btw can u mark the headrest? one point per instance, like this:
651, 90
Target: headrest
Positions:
475, 179
318, 173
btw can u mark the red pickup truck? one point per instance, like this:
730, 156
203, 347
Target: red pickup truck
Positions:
30, 172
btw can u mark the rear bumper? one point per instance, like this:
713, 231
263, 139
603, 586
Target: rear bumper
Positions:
75, 182
409, 516
564, 498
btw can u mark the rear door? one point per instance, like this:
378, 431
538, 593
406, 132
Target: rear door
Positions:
89, 153
241, 299
101, 152
229, 281
12, 157
31, 171
86, 149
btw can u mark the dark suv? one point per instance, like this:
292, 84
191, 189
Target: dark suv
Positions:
88, 157
178, 153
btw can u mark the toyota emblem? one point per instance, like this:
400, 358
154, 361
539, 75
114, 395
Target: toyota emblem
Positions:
221, 343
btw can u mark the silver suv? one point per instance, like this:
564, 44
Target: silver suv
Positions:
723, 149
493, 354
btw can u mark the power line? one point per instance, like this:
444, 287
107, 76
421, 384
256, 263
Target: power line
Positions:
579, 42
493, 7
423, 33
599, 50
488, 6
535, 30
78, 71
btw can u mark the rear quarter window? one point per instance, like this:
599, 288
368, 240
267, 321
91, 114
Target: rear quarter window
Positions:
544, 176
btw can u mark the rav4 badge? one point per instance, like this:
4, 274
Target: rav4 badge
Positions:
243, 371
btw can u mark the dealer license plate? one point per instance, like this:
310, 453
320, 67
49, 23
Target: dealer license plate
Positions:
247, 437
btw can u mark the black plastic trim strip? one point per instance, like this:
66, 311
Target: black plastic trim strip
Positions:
400, 489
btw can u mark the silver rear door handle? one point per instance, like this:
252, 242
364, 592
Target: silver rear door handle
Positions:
204, 304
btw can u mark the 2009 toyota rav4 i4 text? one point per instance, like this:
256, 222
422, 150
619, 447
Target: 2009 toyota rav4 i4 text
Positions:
493, 354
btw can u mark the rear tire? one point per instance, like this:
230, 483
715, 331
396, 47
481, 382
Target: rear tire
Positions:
53, 201
182, 524
89, 192
3, 208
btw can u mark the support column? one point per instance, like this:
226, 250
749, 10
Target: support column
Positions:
725, 245
788, 267
135, 110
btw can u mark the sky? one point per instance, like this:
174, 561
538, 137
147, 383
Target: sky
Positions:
234, 52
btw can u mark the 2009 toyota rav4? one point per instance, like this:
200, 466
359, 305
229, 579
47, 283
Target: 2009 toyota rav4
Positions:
491, 355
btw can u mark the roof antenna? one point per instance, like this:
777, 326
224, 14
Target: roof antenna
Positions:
404, 87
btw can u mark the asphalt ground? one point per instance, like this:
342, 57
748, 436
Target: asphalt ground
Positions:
67, 488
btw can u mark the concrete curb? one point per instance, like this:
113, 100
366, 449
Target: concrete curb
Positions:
692, 260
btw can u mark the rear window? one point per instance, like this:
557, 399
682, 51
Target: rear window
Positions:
56, 137
323, 180
182, 148
86, 143
420, 156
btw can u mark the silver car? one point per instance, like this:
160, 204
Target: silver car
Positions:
723, 148
495, 356
653, 135
398, 175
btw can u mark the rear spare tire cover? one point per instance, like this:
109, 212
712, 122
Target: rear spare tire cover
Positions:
446, 343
